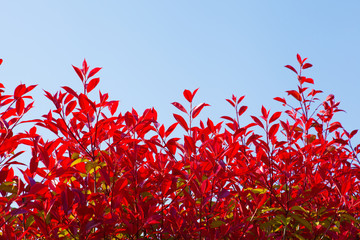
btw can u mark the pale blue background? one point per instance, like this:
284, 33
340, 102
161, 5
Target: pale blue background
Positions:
152, 50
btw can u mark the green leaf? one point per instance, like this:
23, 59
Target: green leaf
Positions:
298, 236
79, 160
304, 222
274, 224
8, 187
89, 166
216, 224
282, 220
29, 221
264, 210
231, 205
146, 194
299, 208
75, 156
48, 219
349, 217
257, 190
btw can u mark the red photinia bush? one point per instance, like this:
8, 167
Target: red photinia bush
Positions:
110, 175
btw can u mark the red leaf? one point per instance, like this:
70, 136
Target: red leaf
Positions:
182, 122
353, 133
3, 174
79, 73
252, 139
20, 106
194, 92
228, 118
162, 131
103, 97
172, 145
231, 102
29, 88
179, 106
84, 103
187, 94
273, 130
1, 61
120, 184
80, 116
301, 79
309, 80
210, 124
105, 175
170, 129
330, 97
307, 65
68, 98
38, 188
280, 100
85, 67
291, 68
18, 211
189, 144
240, 99
33, 164
232, 151
92, 84
223, 193
198, 109
19, 90
94, 71
285, 126
84, 213
41, 224
305, 79
258, 122
346, 187
113, 107
70, 107
299, 59
264, 112
32, 131
295, 94
274, 117
152, 220
69, 90
262, 201
165, 185
91, 224
334, 126
242, 110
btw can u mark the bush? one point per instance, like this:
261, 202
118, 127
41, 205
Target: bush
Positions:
110, 175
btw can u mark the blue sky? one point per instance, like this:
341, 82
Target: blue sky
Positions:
151, 51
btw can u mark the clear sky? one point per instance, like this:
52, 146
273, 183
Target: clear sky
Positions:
151, 50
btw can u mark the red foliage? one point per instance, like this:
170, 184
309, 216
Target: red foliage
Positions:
112, 175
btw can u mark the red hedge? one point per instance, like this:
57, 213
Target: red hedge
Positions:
109, 175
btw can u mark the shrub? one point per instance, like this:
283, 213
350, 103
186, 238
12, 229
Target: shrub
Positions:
108, 175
